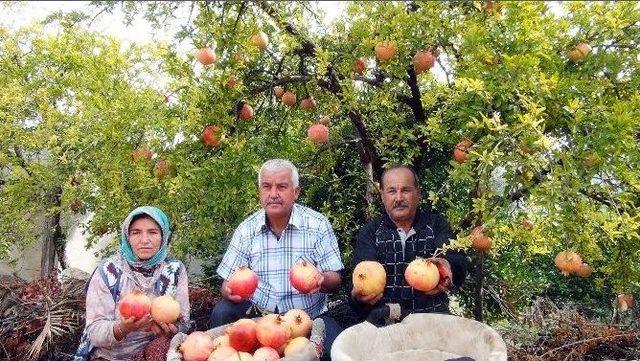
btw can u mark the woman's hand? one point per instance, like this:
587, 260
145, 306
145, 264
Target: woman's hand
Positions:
160, 328
123, 328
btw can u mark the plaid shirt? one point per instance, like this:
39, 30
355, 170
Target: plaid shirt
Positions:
308, 236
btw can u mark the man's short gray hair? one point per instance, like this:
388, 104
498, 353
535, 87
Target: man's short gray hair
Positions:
274, 165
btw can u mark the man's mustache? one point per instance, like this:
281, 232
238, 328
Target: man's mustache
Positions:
400, 204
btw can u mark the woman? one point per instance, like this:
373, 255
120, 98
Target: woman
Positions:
142, 263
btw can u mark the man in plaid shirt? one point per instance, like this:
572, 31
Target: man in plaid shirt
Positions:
271, 241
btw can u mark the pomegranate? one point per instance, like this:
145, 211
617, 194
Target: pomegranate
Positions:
324, 120
75, 205
318, 133
527, 224
295, 345
422, 274
243, 282
211, 136
161, 169
360, 66
246, 112
245, 356
260, 40
579, 52
568, 262
135, 304
140, 154
224, 353
266, 354
242, 335
492, 6
165, 309
304, 277
479, 241
206, 56
289, 98
197, 346
307, 104
584, 270
232, 81
385, 50
460, 151
222, 340
423, 61
299, 322
272, 331
369, 278
278, 91
624, 301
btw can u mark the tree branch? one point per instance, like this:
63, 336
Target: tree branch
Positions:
307, 46
416, 97
282, 81
21, 159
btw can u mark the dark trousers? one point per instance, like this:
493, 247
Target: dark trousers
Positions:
225, 312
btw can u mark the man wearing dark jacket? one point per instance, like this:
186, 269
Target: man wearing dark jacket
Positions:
397, 238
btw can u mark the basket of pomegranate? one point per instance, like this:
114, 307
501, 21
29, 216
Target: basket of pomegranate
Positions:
291, 337
421, 336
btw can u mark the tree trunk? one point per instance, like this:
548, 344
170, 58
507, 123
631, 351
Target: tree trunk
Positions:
53, 232
370, 192
479, 282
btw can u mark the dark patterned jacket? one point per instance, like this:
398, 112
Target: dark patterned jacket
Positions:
380, 241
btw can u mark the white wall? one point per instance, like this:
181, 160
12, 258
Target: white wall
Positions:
26, 264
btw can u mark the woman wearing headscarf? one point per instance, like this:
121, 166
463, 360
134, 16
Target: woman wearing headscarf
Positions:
141, 264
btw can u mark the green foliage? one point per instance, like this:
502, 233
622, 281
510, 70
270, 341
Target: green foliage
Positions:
555, 142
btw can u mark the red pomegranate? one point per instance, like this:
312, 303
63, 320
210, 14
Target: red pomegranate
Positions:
135, 304
272, 331
304, 277
242, 335
243, 282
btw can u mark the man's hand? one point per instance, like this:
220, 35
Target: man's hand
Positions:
444, 268
319, 281
366, 299
228, 294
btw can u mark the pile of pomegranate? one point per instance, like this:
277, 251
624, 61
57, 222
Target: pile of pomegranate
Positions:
265, 339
